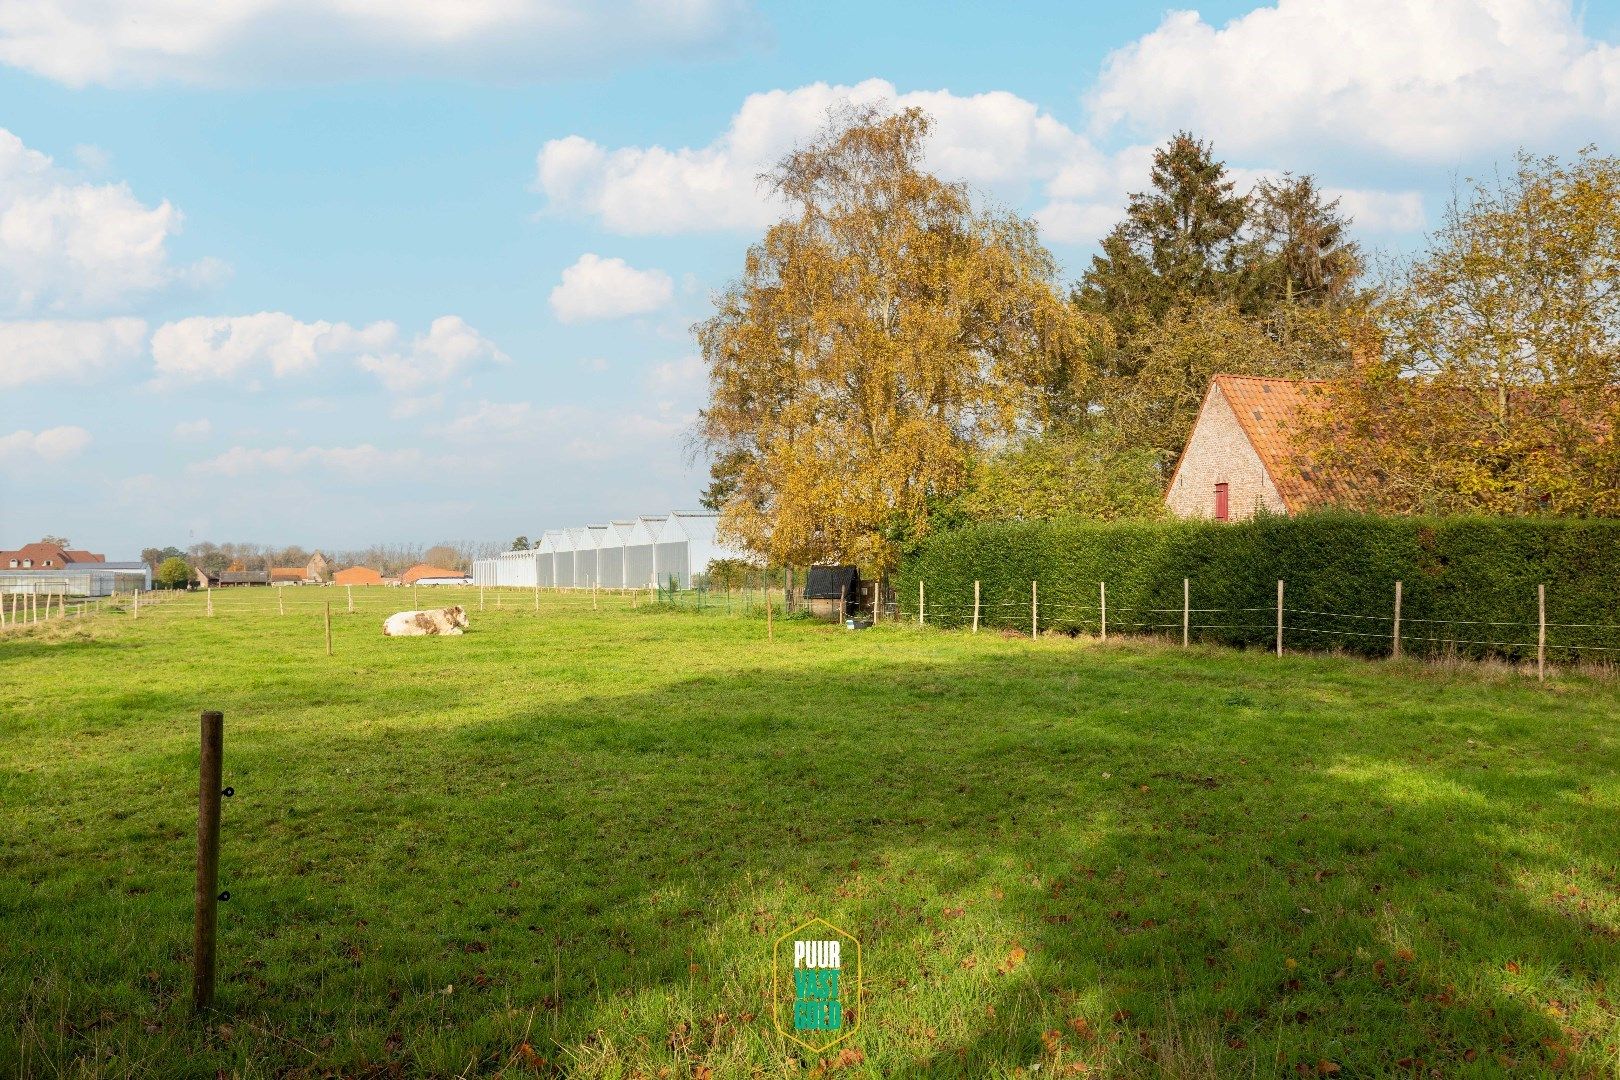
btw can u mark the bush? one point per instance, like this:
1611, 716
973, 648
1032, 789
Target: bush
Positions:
173, 574
1469, 584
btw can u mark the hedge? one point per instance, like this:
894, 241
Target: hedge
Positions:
1469, 584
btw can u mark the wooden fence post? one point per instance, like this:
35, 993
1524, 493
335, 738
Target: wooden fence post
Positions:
281, 598
537, 598
770, 619
413, 595
1186, 610
1395, 634
1541, 633
1279, 615
1034, 610
480, 598
919, 602
209, 772
350, 589
1102, 601
975, 607
329, 628
210, 601
134, 614
877, 599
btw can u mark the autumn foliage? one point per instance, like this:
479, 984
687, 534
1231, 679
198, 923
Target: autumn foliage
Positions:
879, 336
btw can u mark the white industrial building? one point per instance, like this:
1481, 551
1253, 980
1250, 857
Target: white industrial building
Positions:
627, 553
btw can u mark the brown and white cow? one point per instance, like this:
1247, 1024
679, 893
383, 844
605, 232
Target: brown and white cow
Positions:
450, 620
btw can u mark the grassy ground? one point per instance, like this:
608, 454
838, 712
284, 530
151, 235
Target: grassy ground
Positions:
565, 843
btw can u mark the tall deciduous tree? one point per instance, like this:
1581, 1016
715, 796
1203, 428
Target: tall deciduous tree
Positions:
1498, 390
877, 339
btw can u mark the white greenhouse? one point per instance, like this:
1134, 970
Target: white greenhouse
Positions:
629, 553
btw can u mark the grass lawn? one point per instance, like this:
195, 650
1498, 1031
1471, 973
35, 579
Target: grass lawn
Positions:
565, 843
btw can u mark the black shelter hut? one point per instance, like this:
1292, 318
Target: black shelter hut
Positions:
832, 592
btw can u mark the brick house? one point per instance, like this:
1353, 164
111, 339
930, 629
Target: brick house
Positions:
43, 556
1242, 456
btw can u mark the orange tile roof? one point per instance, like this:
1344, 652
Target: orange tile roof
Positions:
357, 575
1276, 415
423, 570
39, 552
288, 573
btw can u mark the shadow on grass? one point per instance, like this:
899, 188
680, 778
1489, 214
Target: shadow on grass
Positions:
1136, 861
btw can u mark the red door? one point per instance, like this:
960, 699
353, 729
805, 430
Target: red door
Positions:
1221, 513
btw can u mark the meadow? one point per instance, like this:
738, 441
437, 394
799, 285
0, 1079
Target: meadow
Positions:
564, 844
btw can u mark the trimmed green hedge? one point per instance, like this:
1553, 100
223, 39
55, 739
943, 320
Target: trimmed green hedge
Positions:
1469, 584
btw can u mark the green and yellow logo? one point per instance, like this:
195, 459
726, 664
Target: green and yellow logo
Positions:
816, 985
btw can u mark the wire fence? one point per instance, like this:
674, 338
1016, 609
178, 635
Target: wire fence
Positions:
1280, 627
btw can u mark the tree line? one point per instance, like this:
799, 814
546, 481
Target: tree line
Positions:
387, 559
897, 357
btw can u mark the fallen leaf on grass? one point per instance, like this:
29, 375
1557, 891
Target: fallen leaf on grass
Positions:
1015, 956
1082, 1028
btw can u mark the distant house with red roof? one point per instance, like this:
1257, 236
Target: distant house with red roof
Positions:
357, 575
1245, 453
423, 574
44, 556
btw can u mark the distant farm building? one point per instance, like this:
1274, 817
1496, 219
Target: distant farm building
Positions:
357, 575
243, 577
1244, 453
423, 574
315, 572
52, 568
627, 553
44, 556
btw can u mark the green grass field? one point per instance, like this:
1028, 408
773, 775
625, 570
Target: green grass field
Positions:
566, 842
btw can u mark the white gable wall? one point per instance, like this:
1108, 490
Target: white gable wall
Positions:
1218, 452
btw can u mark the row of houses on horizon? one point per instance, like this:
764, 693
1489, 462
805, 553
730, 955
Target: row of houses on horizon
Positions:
318, 571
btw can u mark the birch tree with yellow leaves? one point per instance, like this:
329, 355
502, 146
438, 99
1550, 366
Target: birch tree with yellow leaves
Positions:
880, 336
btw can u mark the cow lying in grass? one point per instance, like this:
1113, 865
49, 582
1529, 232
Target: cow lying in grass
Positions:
448, 620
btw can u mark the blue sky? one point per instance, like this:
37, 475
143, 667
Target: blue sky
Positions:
421, 271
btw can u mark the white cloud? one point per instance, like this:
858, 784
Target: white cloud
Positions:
73, 350
364, 462
1425, 81
244, 346
51, 445
231, 346
193, 429
686, 376
79, 42
449, 348
68, 246
496, 419
995, 140
1380, 211
598, 288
